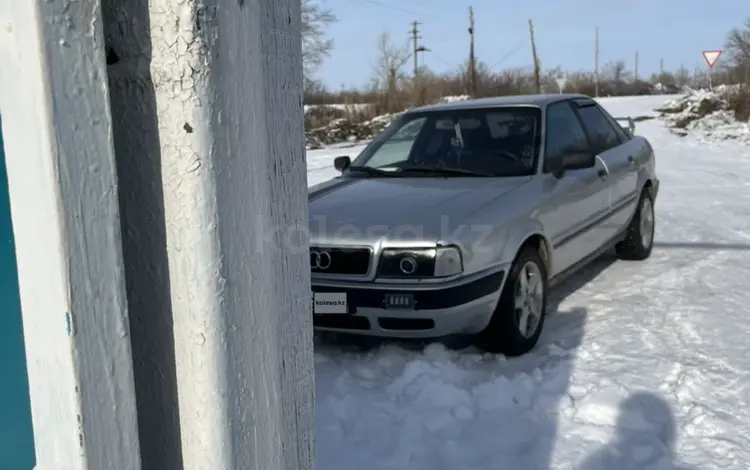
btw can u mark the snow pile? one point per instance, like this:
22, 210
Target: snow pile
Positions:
705, 114
660, 88
725, 90
324, 114
452, 99
342, 107
345, 126
346, 130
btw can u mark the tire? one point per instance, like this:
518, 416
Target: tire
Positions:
503, 334
639, 236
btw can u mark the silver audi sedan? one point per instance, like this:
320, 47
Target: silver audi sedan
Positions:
459, 217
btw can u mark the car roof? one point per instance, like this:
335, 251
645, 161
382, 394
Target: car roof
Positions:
498, 101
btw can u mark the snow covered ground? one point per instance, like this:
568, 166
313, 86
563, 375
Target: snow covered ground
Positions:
641, 365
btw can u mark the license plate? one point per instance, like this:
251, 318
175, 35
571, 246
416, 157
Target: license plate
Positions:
330, 303
399, 301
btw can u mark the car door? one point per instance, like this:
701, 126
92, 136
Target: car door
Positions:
616, 151
633, 151
576, 201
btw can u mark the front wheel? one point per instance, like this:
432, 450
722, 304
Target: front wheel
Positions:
517, 322
639, 236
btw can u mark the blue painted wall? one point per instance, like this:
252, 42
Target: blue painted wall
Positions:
16, 437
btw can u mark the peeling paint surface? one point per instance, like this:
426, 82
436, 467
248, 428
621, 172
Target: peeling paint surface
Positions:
224, 88
63, 197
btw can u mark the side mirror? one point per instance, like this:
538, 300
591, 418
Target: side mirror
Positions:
342, 163
578, 160
574, 161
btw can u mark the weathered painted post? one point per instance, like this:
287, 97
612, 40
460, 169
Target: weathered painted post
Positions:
206, 126
63, 195
208, 129
16, 438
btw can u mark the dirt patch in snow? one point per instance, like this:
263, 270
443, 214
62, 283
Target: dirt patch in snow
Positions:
705, 114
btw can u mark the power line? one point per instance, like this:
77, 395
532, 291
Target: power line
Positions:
448, 64
395, 8
510, 53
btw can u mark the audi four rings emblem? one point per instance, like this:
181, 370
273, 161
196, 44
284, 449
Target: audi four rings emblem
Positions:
408, 265
320, 260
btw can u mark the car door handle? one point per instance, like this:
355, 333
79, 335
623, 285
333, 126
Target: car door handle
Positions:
631, 159
602, 173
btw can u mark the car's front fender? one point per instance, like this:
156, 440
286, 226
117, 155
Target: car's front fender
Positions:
519, 234
496, 245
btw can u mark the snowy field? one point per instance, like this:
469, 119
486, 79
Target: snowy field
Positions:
641, 366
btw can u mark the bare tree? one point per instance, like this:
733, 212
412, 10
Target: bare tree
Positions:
738, 51
682, 77
316, 46
388, 70
614, 77
665, 78
483, 76
616, 71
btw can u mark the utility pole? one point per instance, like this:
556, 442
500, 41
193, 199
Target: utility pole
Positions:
173, 265
472, 57
415, 37
661, 67
635, 75
596, 63
417, 48
537, 77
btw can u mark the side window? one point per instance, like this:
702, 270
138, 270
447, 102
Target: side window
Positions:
603, 136
564, 133
397, 148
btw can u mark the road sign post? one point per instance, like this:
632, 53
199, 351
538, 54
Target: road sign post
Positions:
561, 81
711, 57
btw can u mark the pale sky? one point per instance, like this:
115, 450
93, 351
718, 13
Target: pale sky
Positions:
675, 30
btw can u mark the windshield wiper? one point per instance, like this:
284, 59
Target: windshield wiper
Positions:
371, 171
445, 171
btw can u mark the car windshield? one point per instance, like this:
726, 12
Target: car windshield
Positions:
500, 141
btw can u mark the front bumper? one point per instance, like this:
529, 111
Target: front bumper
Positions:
463, 307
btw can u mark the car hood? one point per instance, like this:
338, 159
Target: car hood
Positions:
369, 210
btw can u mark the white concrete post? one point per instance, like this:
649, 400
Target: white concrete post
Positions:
208, 126
61, 171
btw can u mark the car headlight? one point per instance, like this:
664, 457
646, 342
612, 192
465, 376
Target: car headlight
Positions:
420, 263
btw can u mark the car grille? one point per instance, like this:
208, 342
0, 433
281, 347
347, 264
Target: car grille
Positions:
342, 261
